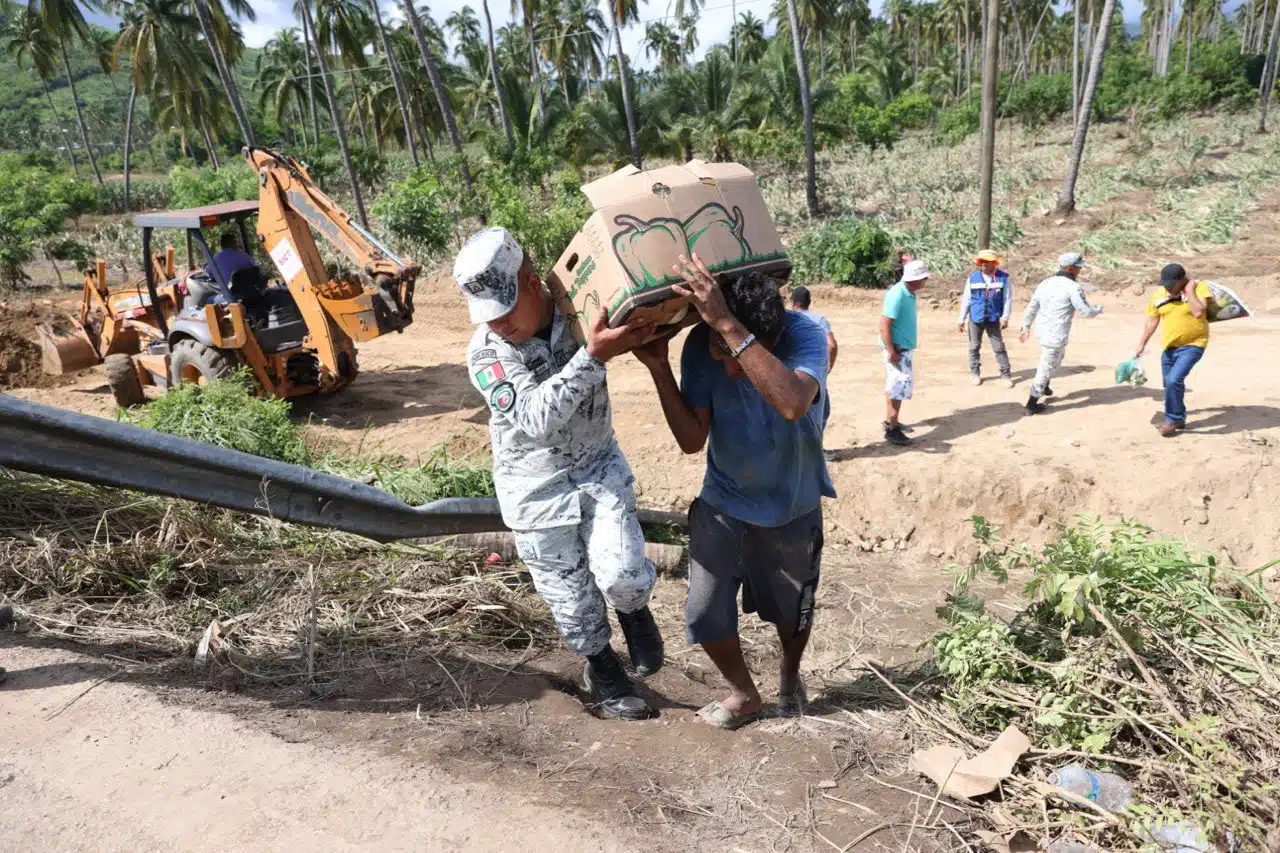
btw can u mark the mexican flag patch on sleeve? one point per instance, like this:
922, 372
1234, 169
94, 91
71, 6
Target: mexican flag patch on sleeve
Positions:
490, 376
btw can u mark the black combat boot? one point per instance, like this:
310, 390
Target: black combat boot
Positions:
1034, 406
608, 684
644, 640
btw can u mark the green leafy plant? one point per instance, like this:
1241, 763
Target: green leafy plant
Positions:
845, 251
958, 124
416, 212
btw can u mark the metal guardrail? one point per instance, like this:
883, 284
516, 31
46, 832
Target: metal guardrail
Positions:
55, 442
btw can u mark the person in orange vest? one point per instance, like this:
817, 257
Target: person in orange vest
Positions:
986, 305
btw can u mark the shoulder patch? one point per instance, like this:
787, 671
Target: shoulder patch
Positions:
484, 355
539, 366
490, 375
503, 396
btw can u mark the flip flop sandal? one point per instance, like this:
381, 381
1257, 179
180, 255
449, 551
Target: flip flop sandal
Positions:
793, 704
722, 718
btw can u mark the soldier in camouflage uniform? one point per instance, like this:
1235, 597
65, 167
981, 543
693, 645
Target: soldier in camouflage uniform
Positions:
562, 482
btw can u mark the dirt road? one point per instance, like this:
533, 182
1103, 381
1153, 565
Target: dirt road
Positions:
118, 768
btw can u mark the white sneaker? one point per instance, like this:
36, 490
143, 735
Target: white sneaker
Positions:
1009, 381
975, 379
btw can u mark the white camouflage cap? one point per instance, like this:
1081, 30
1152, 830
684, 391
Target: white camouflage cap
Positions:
1070, 259
488, 271
915, 271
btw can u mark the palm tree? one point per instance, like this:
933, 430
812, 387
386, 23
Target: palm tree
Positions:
689, 34
219, 49
662, 41
152, 35
811, 178
406, 115
64, 20
308, 42
528, 10
1269, 70
442, 97
280, 69
881, 60
27, 40
1067, 200
343, 27
621, 13
338, 124
748, 36
496, 75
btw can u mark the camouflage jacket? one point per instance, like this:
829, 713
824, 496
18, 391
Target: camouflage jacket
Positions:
551, 427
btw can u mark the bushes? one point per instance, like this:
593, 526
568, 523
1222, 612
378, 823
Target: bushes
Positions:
910, 110
542, 229
1040, 100
144, 194
35, 202
958, 124
198, 187
416, 212
845, 251
872, 128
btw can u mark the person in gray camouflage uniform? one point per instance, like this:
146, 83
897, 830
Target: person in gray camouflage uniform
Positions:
562, 482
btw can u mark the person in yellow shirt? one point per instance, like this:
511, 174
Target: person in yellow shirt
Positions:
1182, 307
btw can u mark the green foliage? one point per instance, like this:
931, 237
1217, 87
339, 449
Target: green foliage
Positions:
1127, 640
416, 213
958, 124
228, 413
433, 479
35, 203
872, 127
542, 226
1040, 100
844, 251
910, 110
144, 194
198, 187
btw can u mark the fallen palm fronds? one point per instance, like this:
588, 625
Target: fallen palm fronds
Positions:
1135, 656
107, 566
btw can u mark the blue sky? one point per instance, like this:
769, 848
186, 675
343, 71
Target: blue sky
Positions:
713, 25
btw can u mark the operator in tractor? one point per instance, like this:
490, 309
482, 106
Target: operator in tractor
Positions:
232, 258
562, 482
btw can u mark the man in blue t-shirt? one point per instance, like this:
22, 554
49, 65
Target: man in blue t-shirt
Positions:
898, 338
231, 259
752, 390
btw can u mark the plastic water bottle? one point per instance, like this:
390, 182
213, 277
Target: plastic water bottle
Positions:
1106, 789
1181, 838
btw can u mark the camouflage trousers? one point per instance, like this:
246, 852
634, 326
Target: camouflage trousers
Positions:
580, 569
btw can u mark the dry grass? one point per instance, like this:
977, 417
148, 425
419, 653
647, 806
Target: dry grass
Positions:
107, 567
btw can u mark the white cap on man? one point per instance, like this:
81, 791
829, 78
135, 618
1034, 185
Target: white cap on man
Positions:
1070, 259
915, 271
488, 271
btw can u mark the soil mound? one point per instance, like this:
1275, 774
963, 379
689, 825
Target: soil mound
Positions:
21, 361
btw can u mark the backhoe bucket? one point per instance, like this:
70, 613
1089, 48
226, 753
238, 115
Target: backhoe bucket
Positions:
66, 353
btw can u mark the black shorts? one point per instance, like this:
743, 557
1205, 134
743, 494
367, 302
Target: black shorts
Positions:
776, 567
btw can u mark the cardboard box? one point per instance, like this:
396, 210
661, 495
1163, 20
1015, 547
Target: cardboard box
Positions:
623, 257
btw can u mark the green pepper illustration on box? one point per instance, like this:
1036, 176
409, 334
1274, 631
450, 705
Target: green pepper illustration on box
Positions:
624, 256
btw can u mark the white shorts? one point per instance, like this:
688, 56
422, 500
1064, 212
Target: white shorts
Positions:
900, 378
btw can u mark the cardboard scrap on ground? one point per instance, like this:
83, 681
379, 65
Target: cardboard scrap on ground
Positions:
622, 258
958, 776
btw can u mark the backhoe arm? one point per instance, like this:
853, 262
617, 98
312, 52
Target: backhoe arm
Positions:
290, 208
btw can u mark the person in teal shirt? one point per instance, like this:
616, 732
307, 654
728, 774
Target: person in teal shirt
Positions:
898, 337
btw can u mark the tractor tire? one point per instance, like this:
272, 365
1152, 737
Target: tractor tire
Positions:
192, 361
122, 378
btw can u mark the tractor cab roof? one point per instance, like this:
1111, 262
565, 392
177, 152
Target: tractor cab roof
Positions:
198, 217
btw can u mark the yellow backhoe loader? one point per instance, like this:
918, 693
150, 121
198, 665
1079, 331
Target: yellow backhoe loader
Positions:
297, 335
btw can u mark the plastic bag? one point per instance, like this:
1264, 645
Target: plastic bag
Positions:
1132, 372
1224, 304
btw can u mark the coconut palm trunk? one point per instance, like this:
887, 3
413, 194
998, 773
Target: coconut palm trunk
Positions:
406, 114
536, 68
310, 48
128, 140
442, 97
337, 122
224, 72
806, 104
208, 143
497, 83
987, 146
57, 119
1075, 61
1067, 200
1269, 70
75, 99
625, 85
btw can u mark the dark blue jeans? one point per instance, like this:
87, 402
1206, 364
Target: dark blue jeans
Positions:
1175, 364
